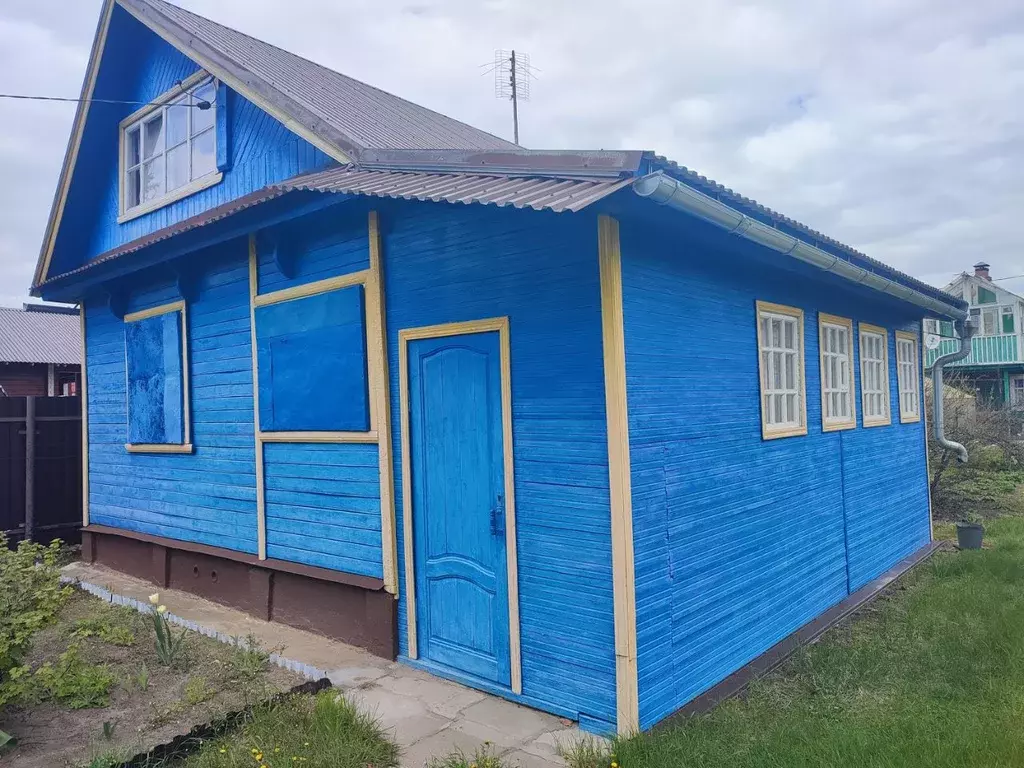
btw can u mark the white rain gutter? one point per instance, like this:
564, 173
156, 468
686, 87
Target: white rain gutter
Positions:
966, 331
665, 190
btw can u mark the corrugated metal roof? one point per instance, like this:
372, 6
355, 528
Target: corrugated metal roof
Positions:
537, 192
39, 337
366, 117
753, 208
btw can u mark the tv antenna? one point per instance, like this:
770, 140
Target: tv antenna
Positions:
512, 75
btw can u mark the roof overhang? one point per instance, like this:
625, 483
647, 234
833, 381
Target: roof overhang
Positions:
665, 190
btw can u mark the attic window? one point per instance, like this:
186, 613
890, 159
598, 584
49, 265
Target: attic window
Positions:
169, 151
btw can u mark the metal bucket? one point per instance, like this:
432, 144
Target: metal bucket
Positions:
969, 535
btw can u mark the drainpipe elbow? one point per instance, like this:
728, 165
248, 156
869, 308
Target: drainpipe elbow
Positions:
966, 330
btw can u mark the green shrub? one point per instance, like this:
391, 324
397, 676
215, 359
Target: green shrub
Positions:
31, 596
72, 682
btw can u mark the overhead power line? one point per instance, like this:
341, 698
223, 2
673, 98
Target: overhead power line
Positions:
203, 105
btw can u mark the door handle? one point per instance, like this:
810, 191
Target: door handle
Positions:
498, 517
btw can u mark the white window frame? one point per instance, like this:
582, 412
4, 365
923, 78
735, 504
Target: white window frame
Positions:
136, 121
880, 334
837, 388
767, 392
908, 376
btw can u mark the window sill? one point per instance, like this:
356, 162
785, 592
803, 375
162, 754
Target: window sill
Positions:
878, 423
189, 189
158, 447
838, 426
791, 432
909, 419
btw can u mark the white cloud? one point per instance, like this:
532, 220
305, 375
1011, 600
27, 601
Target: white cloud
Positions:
893, 125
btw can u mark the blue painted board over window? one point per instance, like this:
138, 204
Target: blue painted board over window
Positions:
312, 363
155, 379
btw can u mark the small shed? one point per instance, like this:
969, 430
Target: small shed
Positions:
40, 351
582, 429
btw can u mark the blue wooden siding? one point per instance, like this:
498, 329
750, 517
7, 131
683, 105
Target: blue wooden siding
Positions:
452, 263
209, 496
139, 66
323, 506
738, 540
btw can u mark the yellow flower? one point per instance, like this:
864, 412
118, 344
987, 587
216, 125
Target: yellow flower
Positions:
305, 743
223, 751
614, 764
259, 756
162, 609
277, 749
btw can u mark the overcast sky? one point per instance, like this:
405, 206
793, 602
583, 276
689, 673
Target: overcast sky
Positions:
896, 126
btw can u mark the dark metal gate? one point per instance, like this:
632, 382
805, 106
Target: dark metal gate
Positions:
49, 460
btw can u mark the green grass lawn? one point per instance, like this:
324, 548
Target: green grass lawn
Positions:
932, 674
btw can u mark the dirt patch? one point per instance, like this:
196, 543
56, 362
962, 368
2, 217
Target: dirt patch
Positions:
147, 704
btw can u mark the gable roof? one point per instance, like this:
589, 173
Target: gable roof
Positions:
968, 278
34, 336
337, 114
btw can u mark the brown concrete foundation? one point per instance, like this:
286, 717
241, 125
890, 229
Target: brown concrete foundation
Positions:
346, 607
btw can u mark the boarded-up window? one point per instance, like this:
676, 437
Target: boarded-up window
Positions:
156, 360
312, 363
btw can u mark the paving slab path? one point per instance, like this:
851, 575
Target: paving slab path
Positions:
427, 716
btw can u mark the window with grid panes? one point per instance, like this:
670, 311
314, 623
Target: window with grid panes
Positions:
168, 148
780, 343
907, 377
836, 349
874, 376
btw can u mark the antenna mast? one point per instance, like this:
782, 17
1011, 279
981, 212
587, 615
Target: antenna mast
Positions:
512, 74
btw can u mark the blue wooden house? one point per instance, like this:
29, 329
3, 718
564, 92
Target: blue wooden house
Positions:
582, 429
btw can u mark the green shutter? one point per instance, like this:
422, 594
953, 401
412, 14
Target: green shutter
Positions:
1008, 323
985, 296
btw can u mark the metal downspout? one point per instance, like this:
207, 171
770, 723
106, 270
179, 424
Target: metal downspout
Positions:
966, 331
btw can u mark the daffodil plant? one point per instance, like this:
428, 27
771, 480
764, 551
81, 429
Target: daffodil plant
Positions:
168, 646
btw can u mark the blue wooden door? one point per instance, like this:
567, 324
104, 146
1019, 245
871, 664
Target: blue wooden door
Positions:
458, 481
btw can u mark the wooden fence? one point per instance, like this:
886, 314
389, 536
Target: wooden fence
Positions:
41, 450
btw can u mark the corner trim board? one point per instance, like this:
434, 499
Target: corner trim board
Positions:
261, 504
380, 401
85, 420
619, 478
501, 325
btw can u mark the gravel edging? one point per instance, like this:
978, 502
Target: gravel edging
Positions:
307, 671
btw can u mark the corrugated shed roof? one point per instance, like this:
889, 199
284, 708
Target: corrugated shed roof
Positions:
366, 116
753, 208
39, 337
540, 193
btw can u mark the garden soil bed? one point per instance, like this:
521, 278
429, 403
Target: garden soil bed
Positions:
148, 704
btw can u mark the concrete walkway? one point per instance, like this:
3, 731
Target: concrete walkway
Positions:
427, 716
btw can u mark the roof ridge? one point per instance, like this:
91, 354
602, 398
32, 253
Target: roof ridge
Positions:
159, 6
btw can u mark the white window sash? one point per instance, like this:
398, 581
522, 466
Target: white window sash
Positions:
835, 337
781, 370
907, 375
874, 376
177, 98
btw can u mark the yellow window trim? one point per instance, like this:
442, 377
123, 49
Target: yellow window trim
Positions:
186, 393
909, 336
768, 433
863, 328
313, 436
843, 322
312, 289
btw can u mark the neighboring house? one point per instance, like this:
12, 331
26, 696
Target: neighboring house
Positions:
995, 367
40, 350
579, 428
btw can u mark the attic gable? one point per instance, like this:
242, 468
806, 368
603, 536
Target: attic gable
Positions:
335, 114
